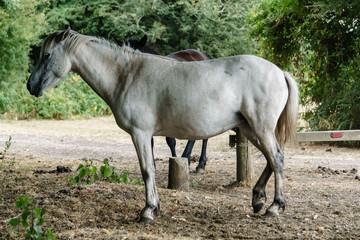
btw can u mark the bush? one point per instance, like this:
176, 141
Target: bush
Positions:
215, 27
319, 42
88, 173
72, 98
21, 27
31, 219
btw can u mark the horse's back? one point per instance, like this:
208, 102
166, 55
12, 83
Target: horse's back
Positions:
188, 55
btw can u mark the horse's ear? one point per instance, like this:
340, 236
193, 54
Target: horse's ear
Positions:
66, 33
62, 36
143, 41
118, 42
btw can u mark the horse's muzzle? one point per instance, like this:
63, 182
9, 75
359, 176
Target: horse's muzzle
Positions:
36, 91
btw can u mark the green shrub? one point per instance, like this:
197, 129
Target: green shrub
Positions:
319, 42
72, 98
31, 219
88, 173
6, 148
215, 27
21, 26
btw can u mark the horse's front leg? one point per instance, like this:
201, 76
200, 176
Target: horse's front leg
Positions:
142, 142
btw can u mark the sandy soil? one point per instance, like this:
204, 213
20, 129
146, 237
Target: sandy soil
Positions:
322, 203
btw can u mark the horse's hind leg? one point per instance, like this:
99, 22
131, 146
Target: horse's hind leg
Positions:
268, 145
171, 142
202, 161
188, 149
275, 163
259, 192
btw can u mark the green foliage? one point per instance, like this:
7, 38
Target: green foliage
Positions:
7, 146
21, 27
31, 219
88, 173
107, 172
71, 98
215, 27
319, 42
212, 26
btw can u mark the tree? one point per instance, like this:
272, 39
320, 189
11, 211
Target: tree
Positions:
21, 26
216, 27
212, 26
319, 42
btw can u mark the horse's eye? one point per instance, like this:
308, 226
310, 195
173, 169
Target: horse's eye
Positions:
47, 55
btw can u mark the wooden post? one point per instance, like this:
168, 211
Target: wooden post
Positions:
244, 159
178, 173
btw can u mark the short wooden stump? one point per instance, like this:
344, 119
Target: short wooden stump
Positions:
178, 173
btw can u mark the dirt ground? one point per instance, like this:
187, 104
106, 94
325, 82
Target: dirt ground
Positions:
321, 188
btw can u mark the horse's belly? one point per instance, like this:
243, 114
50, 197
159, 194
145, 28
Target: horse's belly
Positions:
197, 124
200, 115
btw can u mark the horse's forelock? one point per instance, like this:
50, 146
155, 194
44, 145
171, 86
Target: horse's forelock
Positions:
49, 42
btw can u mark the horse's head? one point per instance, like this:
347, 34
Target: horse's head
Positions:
134, 43
138, 45
54, 64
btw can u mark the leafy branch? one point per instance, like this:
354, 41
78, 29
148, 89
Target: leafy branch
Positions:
31, 219
88, 173
7, 146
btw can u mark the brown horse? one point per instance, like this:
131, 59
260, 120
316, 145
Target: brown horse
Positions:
188, 55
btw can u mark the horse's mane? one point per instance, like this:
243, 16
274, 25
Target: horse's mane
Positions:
75, 40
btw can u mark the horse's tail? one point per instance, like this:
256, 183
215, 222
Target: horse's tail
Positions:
286, 126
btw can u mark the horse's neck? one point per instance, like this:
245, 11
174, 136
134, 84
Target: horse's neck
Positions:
99, 70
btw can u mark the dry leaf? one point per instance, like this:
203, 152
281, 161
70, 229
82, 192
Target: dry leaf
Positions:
319, 229
175, 209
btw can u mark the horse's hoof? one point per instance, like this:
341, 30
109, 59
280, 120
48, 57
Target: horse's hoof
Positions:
200, 170
270, 214
257, 207
145, 220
